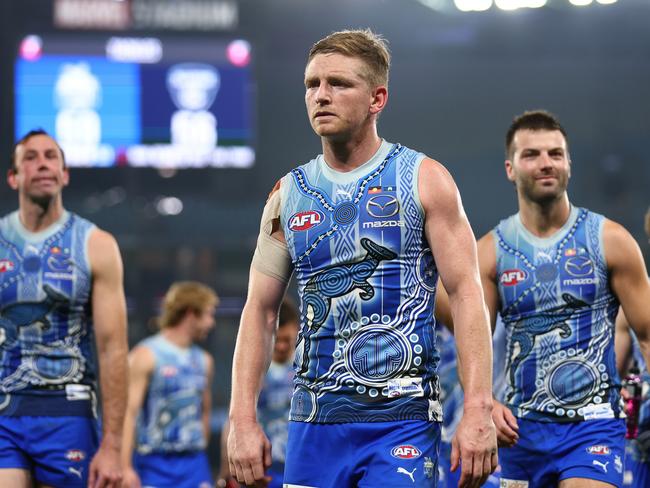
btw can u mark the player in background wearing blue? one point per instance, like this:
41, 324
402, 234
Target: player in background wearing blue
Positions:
367, 227
556, 274
275, 399
167, 423
61, 296
637, 451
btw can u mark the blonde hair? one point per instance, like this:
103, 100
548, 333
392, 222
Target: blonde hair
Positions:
364, 44
183, 297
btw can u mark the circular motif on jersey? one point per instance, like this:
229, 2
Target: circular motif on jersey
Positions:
546, 272
426, 270
32, 264
376, 354
345, 213
303, 404
572, 382
63, 368
334, 282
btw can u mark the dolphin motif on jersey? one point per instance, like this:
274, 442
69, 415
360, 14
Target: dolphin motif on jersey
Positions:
336, 282
22, 314
525, 333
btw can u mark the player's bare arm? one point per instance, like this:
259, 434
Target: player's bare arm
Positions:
454, 249
109, 317
629, 281
141, 366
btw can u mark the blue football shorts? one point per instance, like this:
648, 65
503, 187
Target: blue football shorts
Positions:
173, 470
549, 452
56, 450
365, 455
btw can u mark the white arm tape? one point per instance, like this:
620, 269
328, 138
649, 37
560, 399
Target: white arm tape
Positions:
272, 256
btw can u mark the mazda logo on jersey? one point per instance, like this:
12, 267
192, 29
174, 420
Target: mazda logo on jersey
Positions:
579, 266
305, 220
382, 206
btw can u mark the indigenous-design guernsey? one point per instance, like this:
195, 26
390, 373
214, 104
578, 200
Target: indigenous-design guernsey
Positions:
47, 365
558, 311
366, 350
171, 419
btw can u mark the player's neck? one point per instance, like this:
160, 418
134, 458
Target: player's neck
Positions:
179, 336
349, 154
38, 216
544, 219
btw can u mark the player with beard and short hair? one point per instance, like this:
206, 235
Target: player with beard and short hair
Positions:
61, 298
556, 274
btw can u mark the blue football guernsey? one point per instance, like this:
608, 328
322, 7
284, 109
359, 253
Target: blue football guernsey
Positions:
558, 311
366, 278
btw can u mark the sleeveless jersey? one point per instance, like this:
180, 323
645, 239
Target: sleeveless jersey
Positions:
558, 311
171, 415
273, 407
366, 280
47, 364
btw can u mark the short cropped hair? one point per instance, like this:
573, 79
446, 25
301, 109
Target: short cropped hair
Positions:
288, 313
534, 120
24, 139
183, 297
364, 44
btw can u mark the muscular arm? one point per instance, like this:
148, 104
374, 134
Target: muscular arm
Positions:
109, 318
207, 397
454, 249
622, 343
629, 281
249, 451
141, 366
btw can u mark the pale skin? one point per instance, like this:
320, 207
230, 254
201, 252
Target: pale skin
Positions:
142, 362
39, 178
343, 107
540, 168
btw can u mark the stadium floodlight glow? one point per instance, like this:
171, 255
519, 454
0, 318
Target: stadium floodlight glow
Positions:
580, 3
517, 4
606, 2
473, 5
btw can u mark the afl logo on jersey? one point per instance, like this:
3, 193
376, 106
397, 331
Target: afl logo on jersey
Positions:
405, 451
511, 277
6, 265
305, 220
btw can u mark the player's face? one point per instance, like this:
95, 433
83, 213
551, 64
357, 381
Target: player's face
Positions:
285, 343
204, 323
540, 166
339, 99
40, 173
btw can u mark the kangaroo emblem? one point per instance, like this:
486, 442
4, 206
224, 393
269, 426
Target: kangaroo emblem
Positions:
525, 333
23, 314
336, 282
407, 473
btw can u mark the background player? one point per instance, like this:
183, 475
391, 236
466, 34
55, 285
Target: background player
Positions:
168, 415
61, 295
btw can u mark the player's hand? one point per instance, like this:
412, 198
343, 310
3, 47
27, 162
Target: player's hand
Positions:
130, 479
506, 424
474, 447
249, 453
105, 468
